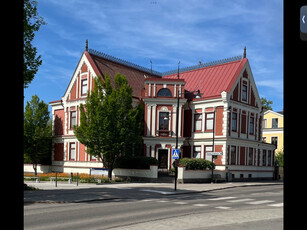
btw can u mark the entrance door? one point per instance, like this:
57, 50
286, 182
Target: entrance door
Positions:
162, 158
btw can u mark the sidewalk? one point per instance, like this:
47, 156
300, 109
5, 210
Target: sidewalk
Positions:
71, 193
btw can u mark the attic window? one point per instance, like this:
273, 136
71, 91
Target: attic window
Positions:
244, 91
84, 87
164, 93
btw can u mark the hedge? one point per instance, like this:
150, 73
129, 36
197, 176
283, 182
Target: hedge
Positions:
196, 163
135, 162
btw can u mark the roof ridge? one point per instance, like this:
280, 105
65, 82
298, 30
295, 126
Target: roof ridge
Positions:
207, 64
154, 72
123, 62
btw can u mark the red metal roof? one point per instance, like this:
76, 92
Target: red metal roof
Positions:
211, 80
135, 76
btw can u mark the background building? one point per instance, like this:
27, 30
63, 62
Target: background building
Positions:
273, 128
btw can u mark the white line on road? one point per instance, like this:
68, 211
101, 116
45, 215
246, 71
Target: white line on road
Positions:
260, 202
157, 191
180, 202
222, 207
276, 205
147, 200
223, 198
200, 205
240, 200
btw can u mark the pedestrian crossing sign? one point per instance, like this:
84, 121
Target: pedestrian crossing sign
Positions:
175, 153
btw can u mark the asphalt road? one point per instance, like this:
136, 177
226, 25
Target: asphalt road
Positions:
259, 207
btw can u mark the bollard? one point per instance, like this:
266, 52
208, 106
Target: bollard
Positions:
56, 179
71, 175
77, 179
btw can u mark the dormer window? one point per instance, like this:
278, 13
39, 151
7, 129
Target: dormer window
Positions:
164, 93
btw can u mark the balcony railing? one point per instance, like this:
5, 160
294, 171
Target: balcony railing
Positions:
163, 133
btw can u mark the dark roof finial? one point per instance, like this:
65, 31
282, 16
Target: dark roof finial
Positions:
244, 53
86, 45
150, 68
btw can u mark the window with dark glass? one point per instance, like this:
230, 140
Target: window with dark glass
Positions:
84, 87
244, 92
251, 125
234, 122
233, 155
163, 120
73, 119
263, 157
274, 123
250, 156
164, 93
243, 123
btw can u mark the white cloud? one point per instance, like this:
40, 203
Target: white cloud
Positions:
274, 84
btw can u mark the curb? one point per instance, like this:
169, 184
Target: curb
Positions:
67, 202
216, 189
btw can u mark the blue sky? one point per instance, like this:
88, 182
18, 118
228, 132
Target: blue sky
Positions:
164, 31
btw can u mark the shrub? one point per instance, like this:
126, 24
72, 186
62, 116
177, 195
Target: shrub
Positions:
196, 163
135, 162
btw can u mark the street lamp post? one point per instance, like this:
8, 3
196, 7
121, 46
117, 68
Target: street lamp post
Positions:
198, 95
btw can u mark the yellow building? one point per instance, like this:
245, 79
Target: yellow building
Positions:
273, 128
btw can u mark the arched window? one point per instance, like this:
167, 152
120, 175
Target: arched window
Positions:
164, 93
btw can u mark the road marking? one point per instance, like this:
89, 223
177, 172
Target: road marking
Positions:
146, 200
265, 193
122, 188
200, 205
222, 207
180, 202
240, 200
162, 201
276, 205
223, 198
260, 202
157, 191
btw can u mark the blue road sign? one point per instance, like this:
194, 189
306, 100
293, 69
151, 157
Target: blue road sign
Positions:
175, 153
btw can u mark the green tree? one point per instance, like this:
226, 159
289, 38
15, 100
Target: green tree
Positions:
280, 157
109, 126
266, 104
37, 133
31, 24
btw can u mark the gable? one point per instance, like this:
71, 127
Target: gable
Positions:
135, 74
81, 81
244, 89
211, 80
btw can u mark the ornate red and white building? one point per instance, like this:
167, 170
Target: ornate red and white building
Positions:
229, 105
